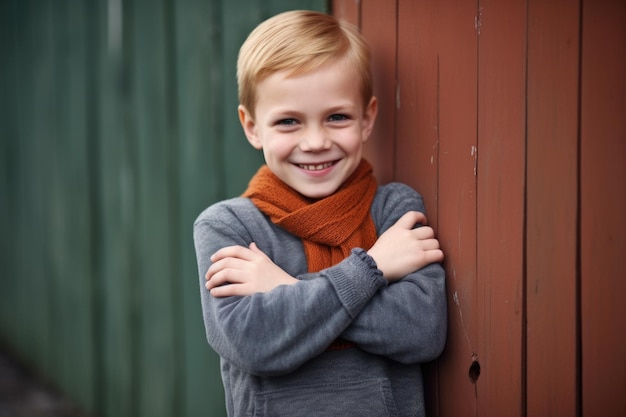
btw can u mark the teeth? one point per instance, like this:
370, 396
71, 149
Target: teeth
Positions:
317, 167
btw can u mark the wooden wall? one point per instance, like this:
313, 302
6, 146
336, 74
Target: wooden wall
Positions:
118, 125
510, 118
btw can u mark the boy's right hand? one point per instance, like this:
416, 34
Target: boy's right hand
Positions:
402, 249
246, 270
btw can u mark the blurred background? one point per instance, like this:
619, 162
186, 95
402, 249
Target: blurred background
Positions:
118, 125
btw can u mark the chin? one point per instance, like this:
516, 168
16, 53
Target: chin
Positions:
317, 194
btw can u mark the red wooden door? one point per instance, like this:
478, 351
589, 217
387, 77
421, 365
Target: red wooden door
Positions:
509, 118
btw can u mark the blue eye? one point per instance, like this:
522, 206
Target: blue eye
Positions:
287, 122
337, 117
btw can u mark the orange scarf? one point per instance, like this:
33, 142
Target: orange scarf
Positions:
329, 228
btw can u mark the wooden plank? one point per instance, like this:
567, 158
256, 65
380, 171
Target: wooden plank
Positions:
603, 204
200, 110
8, 156
416, 107
157, 154
456, 127
32, 338
500, 206
378, 26
117, 219
69, 209
552, 208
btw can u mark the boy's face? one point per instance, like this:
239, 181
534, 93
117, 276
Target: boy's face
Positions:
311, 127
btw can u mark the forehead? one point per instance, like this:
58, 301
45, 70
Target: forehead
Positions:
336, 80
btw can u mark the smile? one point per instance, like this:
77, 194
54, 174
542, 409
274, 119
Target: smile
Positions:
316, 167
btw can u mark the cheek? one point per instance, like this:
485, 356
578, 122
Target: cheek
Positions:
352, 140
277, 148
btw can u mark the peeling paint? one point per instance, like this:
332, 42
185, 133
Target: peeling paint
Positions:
478, 20
455, 298
474, 153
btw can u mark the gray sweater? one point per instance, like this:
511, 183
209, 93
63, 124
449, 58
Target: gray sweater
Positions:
273, 346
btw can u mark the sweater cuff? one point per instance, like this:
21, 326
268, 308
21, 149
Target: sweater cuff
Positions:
356, 279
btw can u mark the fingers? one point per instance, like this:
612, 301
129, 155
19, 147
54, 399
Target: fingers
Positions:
410, 219
226, 277
229, 290
433, 256
232, 265
224, 266
232, 252
429, 244
254, 248
424, 232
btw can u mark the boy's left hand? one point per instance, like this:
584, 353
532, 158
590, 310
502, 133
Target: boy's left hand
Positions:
246, 270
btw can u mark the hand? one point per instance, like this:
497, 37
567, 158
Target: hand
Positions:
246, 270
403, 249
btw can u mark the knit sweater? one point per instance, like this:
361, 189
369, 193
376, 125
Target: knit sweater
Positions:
273, 346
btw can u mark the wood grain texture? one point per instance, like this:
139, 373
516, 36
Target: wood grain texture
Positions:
603, 204
500, 205
552, 208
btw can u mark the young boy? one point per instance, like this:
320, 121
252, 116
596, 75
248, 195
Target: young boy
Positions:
319, 294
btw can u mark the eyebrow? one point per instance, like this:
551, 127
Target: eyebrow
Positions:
342, 107
334, 109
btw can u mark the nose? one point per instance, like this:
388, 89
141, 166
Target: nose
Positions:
315, 140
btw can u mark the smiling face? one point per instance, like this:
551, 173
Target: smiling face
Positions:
311, 127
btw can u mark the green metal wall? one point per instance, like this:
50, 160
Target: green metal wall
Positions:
118, 126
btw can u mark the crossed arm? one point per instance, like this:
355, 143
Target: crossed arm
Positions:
399, 251
282, 322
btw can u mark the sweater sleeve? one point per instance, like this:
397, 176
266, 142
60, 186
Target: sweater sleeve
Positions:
407, 320
274, 333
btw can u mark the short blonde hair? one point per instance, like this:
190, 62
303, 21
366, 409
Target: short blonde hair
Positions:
299, 41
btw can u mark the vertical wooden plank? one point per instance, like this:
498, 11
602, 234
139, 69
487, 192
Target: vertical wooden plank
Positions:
68, 208
157, 199
118, 219
8, 135
416, 106
603, 204
32, 337
200, 110
54, 214
379, 27
500, 206
456, 124
552, 208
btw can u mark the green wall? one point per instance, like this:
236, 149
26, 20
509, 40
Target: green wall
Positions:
118, 125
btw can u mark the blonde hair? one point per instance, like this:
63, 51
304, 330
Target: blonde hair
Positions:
299, 41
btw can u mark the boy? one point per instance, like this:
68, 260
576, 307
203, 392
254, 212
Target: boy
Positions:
320, 295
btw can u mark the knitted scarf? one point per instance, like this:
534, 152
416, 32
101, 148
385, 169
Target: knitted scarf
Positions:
330, 227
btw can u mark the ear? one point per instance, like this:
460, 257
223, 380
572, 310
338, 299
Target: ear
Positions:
249, 127
369, 117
